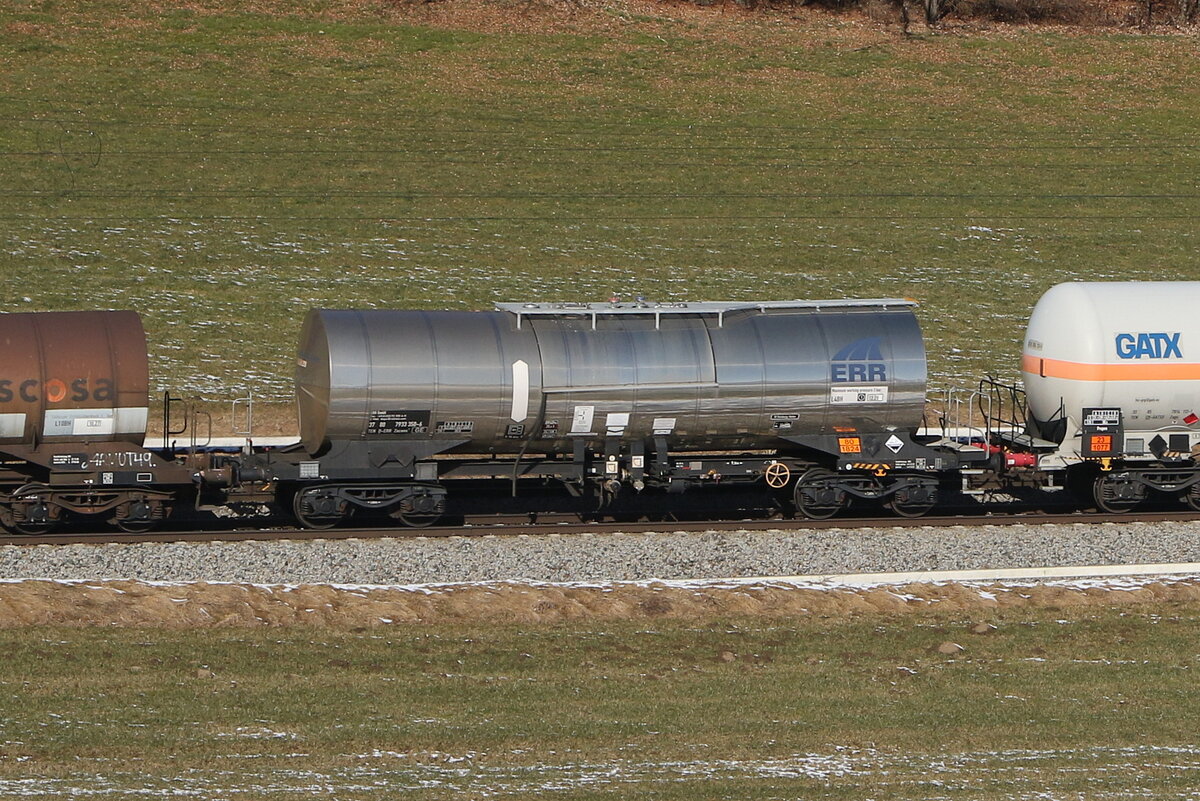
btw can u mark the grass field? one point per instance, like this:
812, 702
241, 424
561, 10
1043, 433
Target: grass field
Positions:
1052, 704
222, 168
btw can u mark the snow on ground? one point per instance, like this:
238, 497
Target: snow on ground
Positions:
1017, 774
985, 587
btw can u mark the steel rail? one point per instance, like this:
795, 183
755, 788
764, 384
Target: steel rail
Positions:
517, 526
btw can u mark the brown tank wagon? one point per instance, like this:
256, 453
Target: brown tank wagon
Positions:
74, 399
73, 377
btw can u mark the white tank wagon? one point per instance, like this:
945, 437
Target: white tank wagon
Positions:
1112, 379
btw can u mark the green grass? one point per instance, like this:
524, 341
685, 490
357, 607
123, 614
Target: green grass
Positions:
1066, 703
222, 171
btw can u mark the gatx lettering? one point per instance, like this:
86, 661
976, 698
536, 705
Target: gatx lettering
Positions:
56, 390
1148, 346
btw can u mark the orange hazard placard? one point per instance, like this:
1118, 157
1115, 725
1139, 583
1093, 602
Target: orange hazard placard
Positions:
1101, 443
849, 445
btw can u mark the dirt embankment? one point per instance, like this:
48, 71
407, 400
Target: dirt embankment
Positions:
203, 605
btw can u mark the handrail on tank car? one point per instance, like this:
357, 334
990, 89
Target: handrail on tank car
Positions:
1013, 423
196, 414
1007, 406
720, 309
168, 432
954, 415
248, 401
191, 417
168, 399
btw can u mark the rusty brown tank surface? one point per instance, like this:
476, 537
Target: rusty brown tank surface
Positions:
73, 376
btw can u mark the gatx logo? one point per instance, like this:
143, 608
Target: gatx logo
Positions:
1148, 346
859, 361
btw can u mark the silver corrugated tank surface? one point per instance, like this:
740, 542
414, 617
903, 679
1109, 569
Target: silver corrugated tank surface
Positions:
539, 376
73, 376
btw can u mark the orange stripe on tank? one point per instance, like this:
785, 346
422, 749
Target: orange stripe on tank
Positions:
1082, 371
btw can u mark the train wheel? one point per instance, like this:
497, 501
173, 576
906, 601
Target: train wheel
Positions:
136, 526
415, 519
319, 508
419, 509
1114, 494
817, 496
138, 516
912, 502
1192, 497
32, 516
34, 528
416, 515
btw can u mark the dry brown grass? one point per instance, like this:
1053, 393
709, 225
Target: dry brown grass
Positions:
720, 21
204, 605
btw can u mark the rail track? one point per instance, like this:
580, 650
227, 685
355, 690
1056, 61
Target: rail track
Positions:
568, 525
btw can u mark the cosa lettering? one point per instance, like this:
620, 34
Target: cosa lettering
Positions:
56, 390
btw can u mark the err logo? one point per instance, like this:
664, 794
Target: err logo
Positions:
1148, 346
860, 361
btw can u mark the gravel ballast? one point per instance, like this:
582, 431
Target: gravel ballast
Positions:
615, 557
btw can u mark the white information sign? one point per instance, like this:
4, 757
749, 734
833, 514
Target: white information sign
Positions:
617, 422
581, 422
663, 425
843, 395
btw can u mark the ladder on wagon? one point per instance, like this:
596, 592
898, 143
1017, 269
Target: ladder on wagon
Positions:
189, 419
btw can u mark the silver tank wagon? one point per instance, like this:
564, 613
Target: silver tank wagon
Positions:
541, 376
